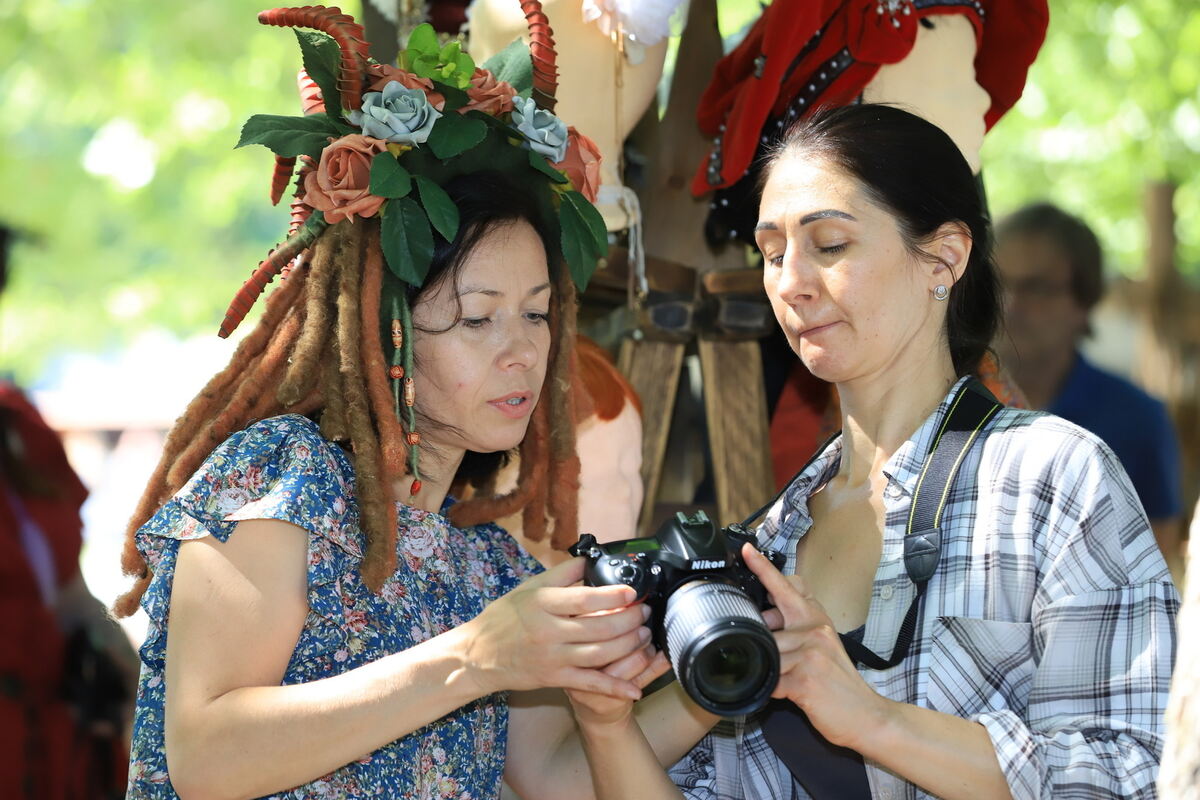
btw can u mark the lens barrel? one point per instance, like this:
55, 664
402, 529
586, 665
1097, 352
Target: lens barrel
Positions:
722, 651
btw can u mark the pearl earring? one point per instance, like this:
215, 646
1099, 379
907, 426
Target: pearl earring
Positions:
940, 292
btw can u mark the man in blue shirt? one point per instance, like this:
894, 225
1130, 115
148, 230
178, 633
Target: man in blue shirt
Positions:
1050, 263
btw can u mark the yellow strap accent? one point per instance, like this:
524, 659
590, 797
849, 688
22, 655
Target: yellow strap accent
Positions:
937, 517
912, 511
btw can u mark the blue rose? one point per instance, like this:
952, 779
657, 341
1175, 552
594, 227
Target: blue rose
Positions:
396, 114
545, 133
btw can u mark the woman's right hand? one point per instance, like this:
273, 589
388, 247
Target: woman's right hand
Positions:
550, 632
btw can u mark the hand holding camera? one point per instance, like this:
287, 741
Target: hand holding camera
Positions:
705, 607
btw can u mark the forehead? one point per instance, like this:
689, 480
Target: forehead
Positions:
800, 183
507, 257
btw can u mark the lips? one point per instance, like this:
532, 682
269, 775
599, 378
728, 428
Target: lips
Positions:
817, 328
514, 405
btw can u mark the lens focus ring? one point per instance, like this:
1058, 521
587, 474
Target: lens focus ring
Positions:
722, 651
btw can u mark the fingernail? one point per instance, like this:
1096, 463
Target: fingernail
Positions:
644, 634
645, 611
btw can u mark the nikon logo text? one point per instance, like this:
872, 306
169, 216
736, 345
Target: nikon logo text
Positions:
702, 563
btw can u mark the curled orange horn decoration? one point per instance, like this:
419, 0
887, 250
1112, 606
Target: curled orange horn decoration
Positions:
344, 30
543, 54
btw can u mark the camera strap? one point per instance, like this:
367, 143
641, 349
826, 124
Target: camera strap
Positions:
971, 408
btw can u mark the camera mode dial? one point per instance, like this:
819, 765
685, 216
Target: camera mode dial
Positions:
617, 570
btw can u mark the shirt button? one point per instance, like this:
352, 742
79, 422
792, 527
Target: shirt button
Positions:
885, 794
886, 592
893, 490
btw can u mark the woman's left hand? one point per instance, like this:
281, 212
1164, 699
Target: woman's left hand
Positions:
641, 667
815, 672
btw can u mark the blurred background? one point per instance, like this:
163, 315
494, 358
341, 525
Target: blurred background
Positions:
136, 219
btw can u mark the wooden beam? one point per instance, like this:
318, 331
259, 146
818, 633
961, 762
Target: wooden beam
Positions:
653, 368
735, 407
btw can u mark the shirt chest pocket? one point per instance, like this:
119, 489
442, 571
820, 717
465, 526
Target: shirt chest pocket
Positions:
979, 665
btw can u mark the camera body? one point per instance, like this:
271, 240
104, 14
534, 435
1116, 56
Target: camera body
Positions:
705, 606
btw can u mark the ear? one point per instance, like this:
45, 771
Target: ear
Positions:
949, 250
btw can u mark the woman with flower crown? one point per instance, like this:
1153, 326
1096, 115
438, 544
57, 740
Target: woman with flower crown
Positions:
325, 619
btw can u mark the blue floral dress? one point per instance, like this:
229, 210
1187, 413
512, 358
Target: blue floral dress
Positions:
281, 468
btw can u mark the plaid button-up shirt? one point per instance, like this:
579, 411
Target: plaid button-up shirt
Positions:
1050, 619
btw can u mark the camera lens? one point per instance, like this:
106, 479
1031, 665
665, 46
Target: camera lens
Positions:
730, 668
722, 651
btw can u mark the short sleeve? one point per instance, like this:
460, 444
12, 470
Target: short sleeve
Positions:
281, 469
508, 563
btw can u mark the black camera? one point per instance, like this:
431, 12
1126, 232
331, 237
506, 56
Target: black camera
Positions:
706, 607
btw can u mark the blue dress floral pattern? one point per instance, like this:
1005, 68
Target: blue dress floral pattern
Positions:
281, 468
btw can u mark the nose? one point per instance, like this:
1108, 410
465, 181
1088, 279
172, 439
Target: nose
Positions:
519, 351
793, 281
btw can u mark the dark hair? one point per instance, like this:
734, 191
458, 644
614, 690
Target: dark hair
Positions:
486, 201
1069, 234
912, 169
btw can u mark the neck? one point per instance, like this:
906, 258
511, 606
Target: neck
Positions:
880, 412
440, 466
1042, 378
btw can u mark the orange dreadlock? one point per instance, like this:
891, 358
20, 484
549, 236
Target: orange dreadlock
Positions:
316, 350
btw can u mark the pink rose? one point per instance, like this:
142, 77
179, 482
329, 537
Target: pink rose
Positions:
582, 164
338, 186
381, 75
488, 94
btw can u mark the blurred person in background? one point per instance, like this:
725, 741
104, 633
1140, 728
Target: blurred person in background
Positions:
66, 669
1051, 265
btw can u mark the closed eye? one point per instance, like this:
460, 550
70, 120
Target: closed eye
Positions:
475, 322
832, 249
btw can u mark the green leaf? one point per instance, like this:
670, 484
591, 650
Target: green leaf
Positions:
388, 178
454, 134
592, 218
442, 211
424, 67
322, 60
456, 98
539, 162
466, 65
407, 240
577, 245
290, 136
513, 64
423, 41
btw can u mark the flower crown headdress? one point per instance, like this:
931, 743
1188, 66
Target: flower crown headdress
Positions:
384, 140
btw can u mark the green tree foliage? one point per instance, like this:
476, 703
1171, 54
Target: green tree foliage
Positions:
1112, 101
119, 122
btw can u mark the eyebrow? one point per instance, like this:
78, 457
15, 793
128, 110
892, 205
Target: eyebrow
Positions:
466, 290
825, 213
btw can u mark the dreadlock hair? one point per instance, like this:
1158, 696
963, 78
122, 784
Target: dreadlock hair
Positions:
318, 350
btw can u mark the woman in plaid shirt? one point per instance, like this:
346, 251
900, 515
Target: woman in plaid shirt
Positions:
1044, 643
